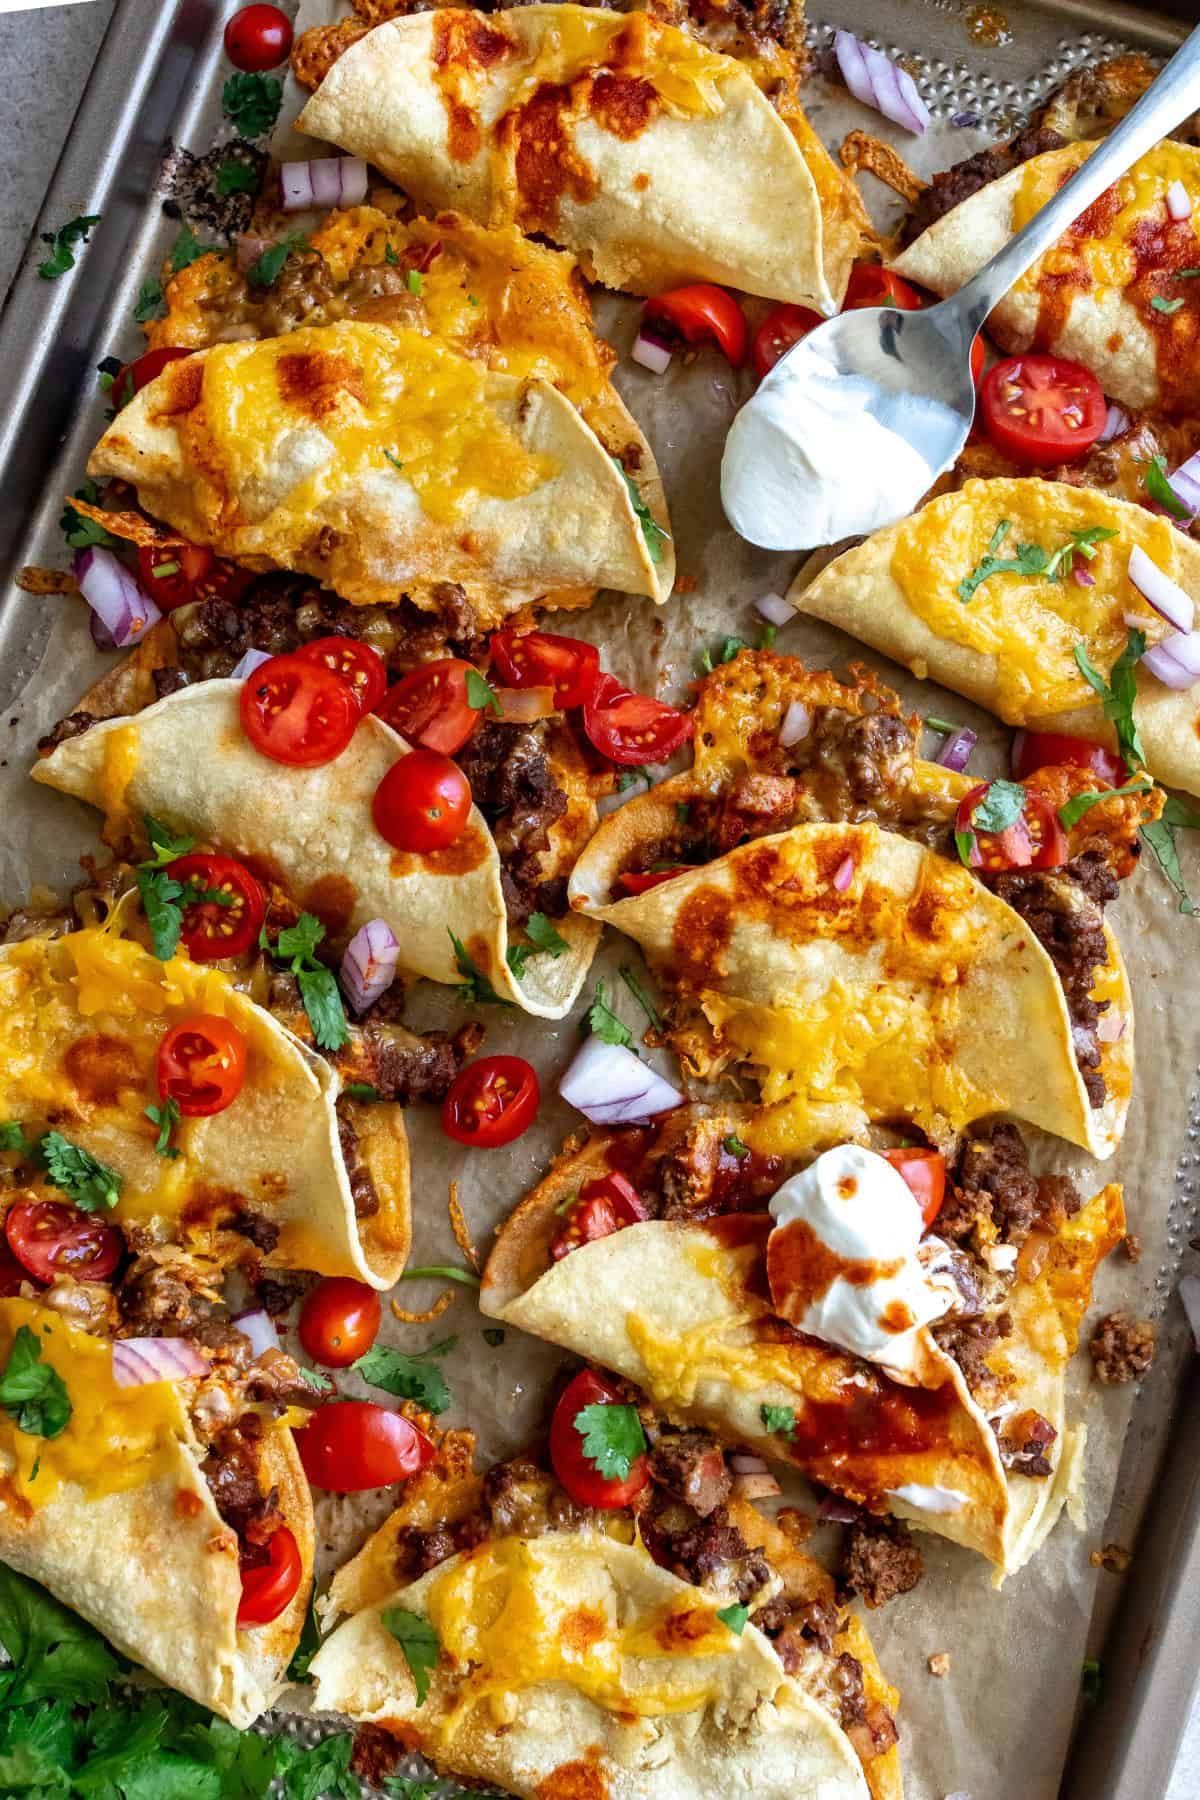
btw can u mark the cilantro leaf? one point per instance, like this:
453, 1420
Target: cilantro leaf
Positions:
300, 939
544, 940
641, 996
88, 1182
80, 531
419, 1642
781, 1420
12, 1137
150, 298
33, 1391
735, 1617
323, 1770
1030, 559
186, 250
1166, 306
166, 1117
415, 280
251, 103
266, 269
1072, 810
362, 1091
481, 693
612, 1438
389, 254
408, 1377
164, 845
1159, 836
1091, 1680
603, 1022
442, 1272
652, 531
62, 245
394, 460
725, 652
1118, 694
236, 177
310, 1636
475, 986
630, 777
1080, 543
1001, 806
736, 1147
318, 986
160, 894
55, 1655
1158, 486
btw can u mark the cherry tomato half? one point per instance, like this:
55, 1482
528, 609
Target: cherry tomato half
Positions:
645, 879
352, 1445
11, 1272
51, 1239
202, 1065
1052, 749
169, 573
699, 313
871, 284
257, 38
268, 1587
132, 377
924, 1173
353, 662
605, 1205
633, 728
1035, 839
429, 706
297, 712
422, 803
214, 929
1042, 409
577, 1472
339, 1321
491, 1102
542, 659
783, 326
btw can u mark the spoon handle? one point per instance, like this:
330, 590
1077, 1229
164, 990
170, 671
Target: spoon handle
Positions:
1170, 98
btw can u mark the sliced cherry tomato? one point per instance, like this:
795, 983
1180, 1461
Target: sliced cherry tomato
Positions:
202, 1065
422, 803
633, 728
214, 929
132, 377
297, 712
924, 1173
871, 284
1042, 409
339, 1321
645, 879
169, 573
1052, 749
267, 1587
352, 1445
429, 706
1034, 839
11, 1272
51, 1239
353, 662
699, 313
257, 38
542, 659
605, 1205
491, 1102
576, 1470
782, 327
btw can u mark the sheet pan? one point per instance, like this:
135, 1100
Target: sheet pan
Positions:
998, 1728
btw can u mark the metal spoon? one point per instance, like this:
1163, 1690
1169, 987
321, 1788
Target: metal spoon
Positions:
859, 419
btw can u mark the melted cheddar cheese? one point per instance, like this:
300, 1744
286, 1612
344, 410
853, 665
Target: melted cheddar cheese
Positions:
116, 1438
1031, 625
1110, 260
580, 41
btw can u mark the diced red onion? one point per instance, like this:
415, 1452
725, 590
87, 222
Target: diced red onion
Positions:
1137, 621
1083, 577
955, 753
1164, 595
122, 609
1189, 1293
1115, 422
774, 609
522, 706
138, 1360
369, 964
756, 1487
1185, 483
745, 1462
874, 79
1161, 661
1179, 201
324, 181
833, 1510
249, 248
609, 1085
247, 663
1111, 1028
651, 354
259, 1327
795, 724
843, 875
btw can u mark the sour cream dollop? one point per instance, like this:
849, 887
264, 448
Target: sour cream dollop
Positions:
842, 1260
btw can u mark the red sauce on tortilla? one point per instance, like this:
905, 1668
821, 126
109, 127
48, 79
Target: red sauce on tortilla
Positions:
623, 104
1056, 292
701, 934
547, 165
459, 858
100, 1067
464, 44
877, 1418
574, 1781
187, 1503
1160, 247
331, 899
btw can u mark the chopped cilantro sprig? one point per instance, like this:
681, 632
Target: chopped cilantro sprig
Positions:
612, 1436
296, 946
33, 1392
652, 531
408, 1377
544, 940
1031, 559
251, 103
63, 244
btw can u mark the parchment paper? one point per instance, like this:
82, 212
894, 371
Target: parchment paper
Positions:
997, 1726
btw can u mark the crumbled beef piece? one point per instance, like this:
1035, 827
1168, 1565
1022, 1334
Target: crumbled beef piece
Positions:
169, 681
712, 1553
691, 1466
991, 1181
879, 1560
74, 725
1073, 938
458, 616
156, 1302
419, 1551
754, 805
514, 789
401, 1065
520, 1498
1058, 1199
952, 186
970, 1342
795, 1628
1092, 874
376, 1754
362, 1188
847, 1682
232, 1470
1114, 1557
262, 1232
875, 751
1024, 1439
700, 1176
945, 1259
277, 1294
231, 1347
276, 1380
1122, 1347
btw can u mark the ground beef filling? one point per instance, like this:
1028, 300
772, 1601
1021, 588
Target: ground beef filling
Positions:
954, 185
232, 1469
363, 1191
515, 790
1122, 1348
879, 1560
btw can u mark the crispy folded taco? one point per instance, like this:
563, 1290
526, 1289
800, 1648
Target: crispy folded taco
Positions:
291, 1173
1109, 294
666, 1648
926, 1379
137, 1508
654, 158
799, 896
1017, 640
383, 462
311, 830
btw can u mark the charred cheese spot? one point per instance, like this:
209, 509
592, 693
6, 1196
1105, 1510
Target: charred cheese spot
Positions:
314, 384
468, 851
702, 932
101, 1067
575, 1781
623, 104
